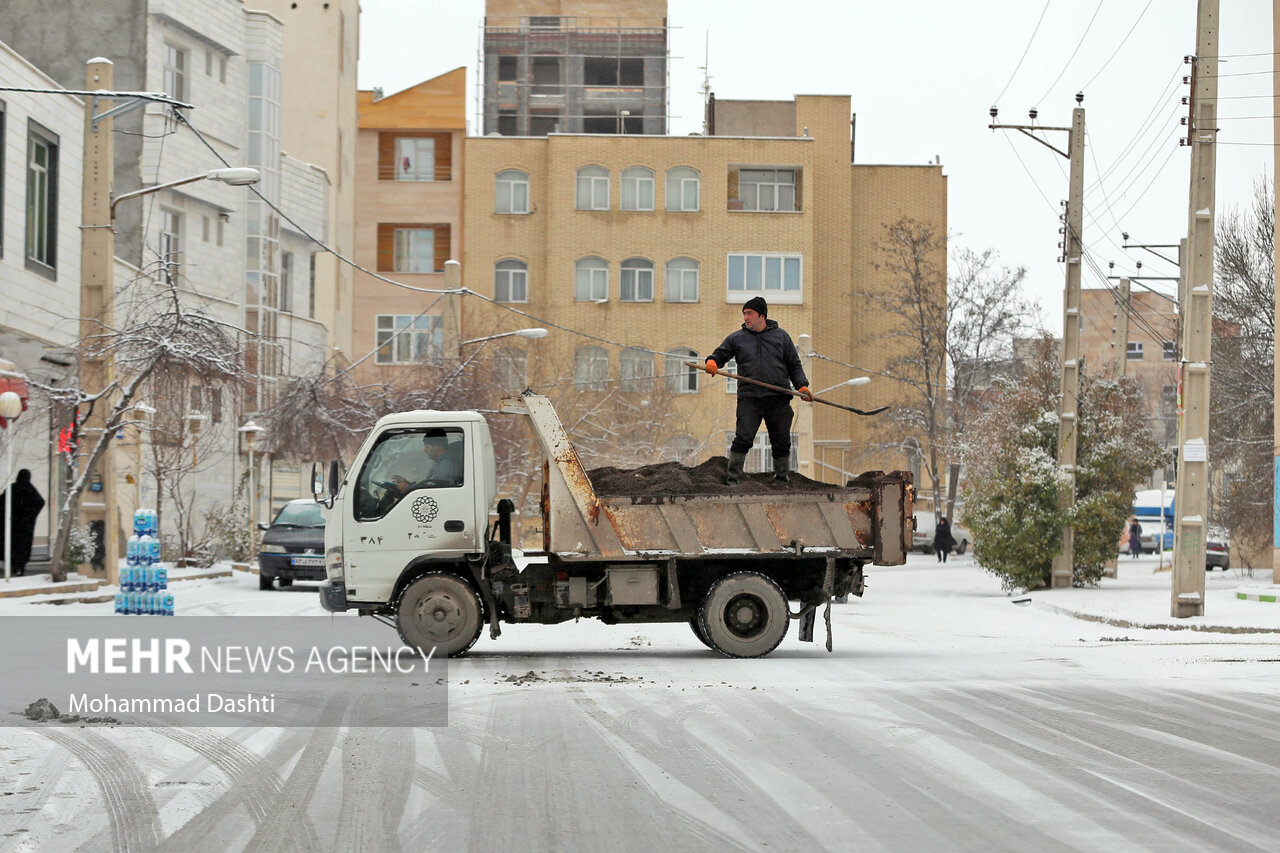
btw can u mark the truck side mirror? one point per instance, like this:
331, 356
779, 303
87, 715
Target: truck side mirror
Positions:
333, 480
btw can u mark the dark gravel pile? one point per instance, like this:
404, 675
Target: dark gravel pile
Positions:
672, 478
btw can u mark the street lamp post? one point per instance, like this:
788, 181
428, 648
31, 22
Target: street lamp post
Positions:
518, 333
10, 408
251, 432
857, 380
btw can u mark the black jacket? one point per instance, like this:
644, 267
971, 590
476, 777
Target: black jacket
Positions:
769, 356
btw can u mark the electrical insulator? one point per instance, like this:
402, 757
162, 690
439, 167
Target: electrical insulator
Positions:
1183, 141
1183, 121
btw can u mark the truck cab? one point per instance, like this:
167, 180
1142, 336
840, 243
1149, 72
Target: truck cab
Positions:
419, 489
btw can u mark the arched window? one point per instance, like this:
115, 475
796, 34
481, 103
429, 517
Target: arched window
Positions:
593, 188
590, 280
683, 188
511, 281
511, 192
637, 280
635, 369
637, 188
682, 280
591, 368
681, 378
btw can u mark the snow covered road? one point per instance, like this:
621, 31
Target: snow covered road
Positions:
947, 718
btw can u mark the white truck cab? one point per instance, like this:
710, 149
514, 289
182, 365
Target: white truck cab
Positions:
420, 488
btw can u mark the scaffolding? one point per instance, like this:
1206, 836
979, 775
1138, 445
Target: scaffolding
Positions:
567, 74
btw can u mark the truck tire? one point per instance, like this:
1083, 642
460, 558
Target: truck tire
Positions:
744, 615
440, 609
697, 632
963, 546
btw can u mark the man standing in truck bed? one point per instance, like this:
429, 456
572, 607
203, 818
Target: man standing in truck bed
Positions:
764, 352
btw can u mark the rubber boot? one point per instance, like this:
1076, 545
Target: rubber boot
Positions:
781, 468
733, 476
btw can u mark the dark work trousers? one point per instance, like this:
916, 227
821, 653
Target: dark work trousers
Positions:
775, 412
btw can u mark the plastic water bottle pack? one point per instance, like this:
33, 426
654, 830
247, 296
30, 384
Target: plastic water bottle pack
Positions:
144, 583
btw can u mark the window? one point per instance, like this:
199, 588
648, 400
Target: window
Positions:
635, 369
511, 369
637, 188
1169, 396
682, 280
507, 69
683, 189
286, 282
175, 72
593, 188
637, 280
731, 382
426, 459
511, 192
776, 276
413, 247
546, 75
682, 449
42, 198
405, 338
170, 245
1169, 351
1135, 351
767, 189
681, 378
591, 280
511, 281
591, 368
311, 285
415, 158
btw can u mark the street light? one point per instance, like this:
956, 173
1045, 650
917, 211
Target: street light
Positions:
518, 333
10, 408
236, 177
857, 380
251, 431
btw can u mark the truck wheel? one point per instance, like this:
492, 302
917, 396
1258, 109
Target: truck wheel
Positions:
744, 615
963, 546
440, 609
697, 632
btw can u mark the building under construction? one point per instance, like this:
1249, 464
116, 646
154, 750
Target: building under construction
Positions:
574, 66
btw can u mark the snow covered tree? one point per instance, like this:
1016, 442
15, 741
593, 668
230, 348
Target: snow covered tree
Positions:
1014, 489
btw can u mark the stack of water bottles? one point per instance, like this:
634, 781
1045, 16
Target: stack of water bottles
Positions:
144, 583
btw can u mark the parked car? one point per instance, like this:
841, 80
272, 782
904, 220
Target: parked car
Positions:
292, 545
1217, 550
922, 538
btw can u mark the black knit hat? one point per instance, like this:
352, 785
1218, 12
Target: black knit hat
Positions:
758, 305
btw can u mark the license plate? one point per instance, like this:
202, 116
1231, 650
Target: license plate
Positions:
307, 561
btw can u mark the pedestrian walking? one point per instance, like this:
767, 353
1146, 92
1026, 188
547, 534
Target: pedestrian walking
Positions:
1135, 538
943, 541
765, 352
26, 503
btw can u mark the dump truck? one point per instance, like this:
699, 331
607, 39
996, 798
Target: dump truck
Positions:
433, 556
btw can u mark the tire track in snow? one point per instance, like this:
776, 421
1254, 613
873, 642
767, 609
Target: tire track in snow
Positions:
33, 792
132, 817
254, 786
288, 827
377, 770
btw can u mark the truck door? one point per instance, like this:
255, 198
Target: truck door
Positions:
413, 495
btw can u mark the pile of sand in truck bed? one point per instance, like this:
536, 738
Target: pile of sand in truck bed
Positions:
672, 478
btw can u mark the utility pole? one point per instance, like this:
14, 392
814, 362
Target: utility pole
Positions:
1191, 497
1072, 245
1121, 328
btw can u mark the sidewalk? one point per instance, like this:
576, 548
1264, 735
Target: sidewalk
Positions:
1140, 597
39, 587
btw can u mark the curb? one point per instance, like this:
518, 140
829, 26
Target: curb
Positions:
1256, 596
1157, 626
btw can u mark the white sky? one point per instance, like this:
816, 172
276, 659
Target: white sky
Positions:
923, 76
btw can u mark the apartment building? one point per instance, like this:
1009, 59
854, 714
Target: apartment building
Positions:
244, 257
41, 156
409, 191
638, 251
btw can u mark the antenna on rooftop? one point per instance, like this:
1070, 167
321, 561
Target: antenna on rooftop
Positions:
705, 89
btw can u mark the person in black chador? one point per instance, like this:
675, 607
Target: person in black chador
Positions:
943, 541
27, 504
764, 352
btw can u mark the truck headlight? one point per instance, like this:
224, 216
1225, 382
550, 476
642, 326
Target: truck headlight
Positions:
333, 564
273, 549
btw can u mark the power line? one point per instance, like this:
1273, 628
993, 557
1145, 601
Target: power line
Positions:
1079, 44
1116, 52
1022, 58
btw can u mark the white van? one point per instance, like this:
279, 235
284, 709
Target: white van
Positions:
922, 539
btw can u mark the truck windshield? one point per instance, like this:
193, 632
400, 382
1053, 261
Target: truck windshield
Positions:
406, 461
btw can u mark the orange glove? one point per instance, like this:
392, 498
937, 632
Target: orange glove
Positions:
711, 366
805, 393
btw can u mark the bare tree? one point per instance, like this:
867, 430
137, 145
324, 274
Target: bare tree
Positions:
159, 334
912, 253
1242, 404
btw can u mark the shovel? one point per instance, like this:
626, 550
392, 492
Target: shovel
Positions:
782, 390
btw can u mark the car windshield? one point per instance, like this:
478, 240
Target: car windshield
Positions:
300, 515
